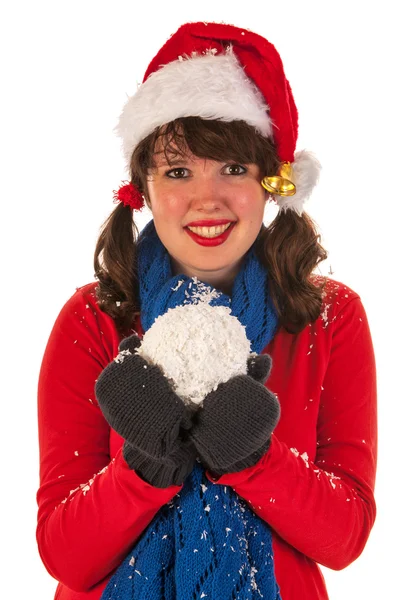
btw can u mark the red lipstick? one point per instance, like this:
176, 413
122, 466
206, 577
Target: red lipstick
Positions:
215, 241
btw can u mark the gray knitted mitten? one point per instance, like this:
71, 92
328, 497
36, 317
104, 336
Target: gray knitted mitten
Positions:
139, 404
233, 428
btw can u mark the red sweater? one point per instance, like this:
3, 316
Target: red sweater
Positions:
314, 486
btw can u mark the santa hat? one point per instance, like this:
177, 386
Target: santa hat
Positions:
218, 71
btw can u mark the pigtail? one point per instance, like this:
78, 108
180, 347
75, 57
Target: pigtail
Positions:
115, 268
290, 249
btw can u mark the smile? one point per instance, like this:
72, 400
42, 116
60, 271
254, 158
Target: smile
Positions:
210, 236
210, 232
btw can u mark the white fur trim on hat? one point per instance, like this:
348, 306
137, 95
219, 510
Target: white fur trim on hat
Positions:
306, 170
207, 85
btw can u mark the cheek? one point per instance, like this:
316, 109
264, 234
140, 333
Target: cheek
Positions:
250, 206
165, 205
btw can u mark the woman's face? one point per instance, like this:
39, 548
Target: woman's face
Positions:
207, 215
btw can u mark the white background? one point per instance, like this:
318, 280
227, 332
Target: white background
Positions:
66, 70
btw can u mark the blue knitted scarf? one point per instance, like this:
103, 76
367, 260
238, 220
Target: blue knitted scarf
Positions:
206, 542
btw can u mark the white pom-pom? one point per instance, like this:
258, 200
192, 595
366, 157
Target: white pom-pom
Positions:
306, 170
197, 346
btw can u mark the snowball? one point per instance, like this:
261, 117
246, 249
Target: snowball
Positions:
197, 346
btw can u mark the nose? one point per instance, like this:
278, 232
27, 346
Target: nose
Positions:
207, 195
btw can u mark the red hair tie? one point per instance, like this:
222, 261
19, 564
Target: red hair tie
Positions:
129, 195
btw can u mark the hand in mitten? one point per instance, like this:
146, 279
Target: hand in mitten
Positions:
233, 428
139, 404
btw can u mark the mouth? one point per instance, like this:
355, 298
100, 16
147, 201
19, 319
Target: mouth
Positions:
210, 236
210, 232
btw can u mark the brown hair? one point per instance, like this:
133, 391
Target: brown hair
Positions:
289, 247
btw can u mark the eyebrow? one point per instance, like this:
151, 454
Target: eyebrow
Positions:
173, 161
179, 160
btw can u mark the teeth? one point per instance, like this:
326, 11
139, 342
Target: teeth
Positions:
210, 232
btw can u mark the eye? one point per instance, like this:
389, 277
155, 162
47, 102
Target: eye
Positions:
235, 169
178, 173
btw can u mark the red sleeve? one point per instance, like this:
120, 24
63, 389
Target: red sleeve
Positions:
325, 509
91, 509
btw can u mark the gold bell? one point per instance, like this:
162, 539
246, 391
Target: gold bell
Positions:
280, 184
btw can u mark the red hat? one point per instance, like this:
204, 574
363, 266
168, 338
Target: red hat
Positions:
218, 71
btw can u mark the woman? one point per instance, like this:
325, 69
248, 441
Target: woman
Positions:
140, 496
